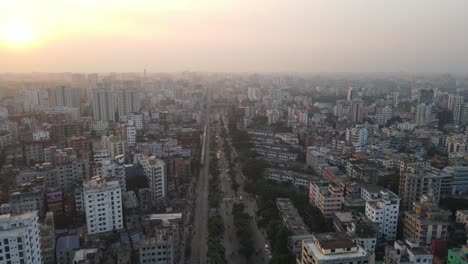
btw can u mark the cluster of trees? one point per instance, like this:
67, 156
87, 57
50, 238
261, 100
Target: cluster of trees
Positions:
215, 222
215, 247
268, 218
227, 152
243, 230
214, 194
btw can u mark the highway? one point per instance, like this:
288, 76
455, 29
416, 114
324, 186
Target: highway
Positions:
200, 226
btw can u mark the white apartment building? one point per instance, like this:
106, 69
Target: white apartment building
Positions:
137, 119
332, 248
383, 209
19, 239
155, 171
357, 136
103, 205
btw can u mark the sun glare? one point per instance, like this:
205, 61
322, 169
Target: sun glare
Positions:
17, 33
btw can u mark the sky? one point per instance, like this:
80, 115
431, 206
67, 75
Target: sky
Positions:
234, 36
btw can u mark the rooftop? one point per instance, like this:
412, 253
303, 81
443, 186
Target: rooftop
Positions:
291, 217
68, 242
334, 240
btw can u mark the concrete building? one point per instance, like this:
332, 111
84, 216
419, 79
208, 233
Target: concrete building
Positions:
297, 179
462, 217
316, 158
155, 171
459, 179
383, 209
332, 248
66, 247
29, 197
137, 118
455, 104
327, 199
103, 205
87, 256
128, 99
61, 96
157, 250
253, 94
458, 255
426, 222
407, 252
356, 113
47, 235
423, 115
114, 145
104, 106
357, 136
19, 239
416, 179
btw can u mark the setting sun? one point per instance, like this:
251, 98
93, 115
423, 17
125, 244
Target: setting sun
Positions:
17, 33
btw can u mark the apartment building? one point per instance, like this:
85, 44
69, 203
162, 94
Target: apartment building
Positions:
103, 205
328, 248
19, 239
426, 222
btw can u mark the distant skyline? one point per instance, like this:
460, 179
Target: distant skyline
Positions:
233, 36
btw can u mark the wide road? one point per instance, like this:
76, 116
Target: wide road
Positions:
200, 226
231, 242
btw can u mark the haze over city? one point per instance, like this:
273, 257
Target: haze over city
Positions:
234, 36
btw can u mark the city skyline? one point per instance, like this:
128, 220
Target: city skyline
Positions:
233, 36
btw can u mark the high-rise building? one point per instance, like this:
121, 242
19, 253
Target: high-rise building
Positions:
456, 103
104, 107
103, 205
20, 241
155, 171
64, 96
423, 114
356, 113
128, 100
464, 115
426, 96
352, 94
137, 118
383, 114
253, 94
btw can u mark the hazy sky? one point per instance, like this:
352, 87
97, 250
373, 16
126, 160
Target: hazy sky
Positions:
237, 35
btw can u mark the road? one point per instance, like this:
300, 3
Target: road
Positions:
200, 226
231, 242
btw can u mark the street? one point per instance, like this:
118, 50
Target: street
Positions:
200, 226
231, 242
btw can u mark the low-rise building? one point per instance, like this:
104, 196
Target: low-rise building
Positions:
458, 255
407, 252
333, 248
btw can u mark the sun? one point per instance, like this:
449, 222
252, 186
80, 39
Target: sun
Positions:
17, 33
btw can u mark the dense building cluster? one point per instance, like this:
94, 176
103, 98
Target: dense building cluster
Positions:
101, 168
